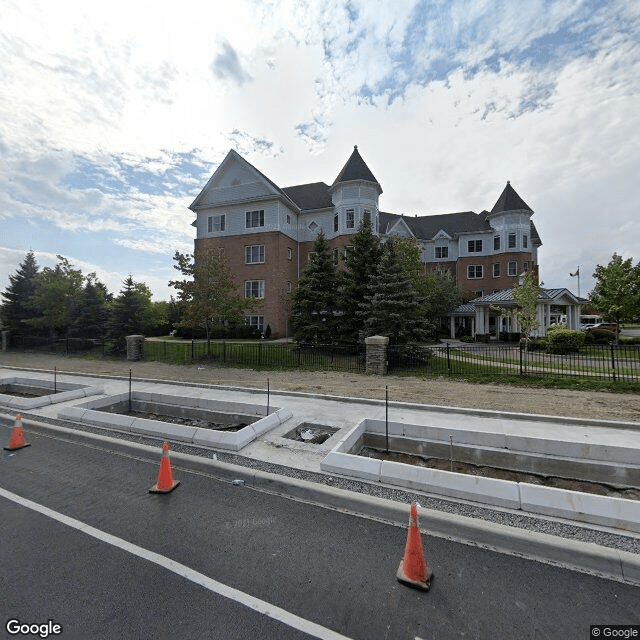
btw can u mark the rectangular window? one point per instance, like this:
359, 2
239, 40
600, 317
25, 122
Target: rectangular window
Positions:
366, 215
312, 255
257, 322
474, 246
525, 266
513, 268
215, 223
336, 255
474, 271
254, 219
288, 219
288, 286
335, 222
351, 218
525, 241
254, 254
442, 252
478, 293
289, 253
496, 269
347, 250
254, 289
512, 241
496, 243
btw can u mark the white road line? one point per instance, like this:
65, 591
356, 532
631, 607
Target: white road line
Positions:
245, 599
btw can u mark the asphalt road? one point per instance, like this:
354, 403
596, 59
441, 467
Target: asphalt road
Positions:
332, 569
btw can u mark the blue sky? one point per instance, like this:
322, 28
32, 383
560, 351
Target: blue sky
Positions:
114, 115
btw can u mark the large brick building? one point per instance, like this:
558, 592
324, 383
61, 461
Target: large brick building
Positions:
267, 232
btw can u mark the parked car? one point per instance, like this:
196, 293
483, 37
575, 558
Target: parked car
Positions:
604, 326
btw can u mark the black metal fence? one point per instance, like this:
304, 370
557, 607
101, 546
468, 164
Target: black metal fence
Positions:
259, 354
598, 362
604, 362
62, 346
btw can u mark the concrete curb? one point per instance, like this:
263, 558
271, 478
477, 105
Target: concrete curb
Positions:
605, 562
484, 413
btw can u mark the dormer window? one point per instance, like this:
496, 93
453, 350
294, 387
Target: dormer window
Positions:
474, 246
442, 252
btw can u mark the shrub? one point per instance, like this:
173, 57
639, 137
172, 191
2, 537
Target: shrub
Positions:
561, 340
467, 339
538, 344
600, 337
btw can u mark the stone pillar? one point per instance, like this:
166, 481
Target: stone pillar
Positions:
5, 340
135, 347
376, 354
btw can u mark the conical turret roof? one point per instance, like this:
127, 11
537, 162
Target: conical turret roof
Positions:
355, 169
509, 200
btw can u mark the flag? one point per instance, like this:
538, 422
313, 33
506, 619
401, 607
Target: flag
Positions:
577, 273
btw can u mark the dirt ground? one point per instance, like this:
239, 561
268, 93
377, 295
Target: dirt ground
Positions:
441, 391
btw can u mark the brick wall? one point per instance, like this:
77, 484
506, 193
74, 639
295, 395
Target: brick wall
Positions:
276, 271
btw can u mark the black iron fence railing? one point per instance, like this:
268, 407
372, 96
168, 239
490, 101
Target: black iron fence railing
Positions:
605, 362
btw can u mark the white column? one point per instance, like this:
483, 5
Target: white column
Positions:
452, 327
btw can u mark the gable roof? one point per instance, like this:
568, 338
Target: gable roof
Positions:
428, 226
235, 156
315, 195
509, 200
355, 169
505, 296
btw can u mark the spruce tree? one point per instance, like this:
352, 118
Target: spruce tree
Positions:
16, 309
392, 307
361, 265
315, 302
129, 314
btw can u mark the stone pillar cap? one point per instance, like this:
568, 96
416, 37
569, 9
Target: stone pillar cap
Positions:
376, 340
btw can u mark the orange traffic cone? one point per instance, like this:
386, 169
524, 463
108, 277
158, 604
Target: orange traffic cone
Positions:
165, 481
16, 439
413, 570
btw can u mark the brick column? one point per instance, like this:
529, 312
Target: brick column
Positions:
135, 346
376, 362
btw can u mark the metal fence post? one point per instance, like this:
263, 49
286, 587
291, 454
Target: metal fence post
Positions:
613, 362
521, 358
224, 351
448, 359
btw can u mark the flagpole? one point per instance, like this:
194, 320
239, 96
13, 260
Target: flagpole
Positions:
573, 275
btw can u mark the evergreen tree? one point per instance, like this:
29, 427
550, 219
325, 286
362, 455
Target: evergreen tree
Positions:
392, 306
361, 264
16, 309
129, 314
315, 302
94, 311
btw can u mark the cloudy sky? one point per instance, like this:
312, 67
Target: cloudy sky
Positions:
114, 115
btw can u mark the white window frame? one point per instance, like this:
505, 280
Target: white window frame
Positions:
525, 241
513, 268
366, 215
255, 321
495, 269
475, 268
288, 286
496, 243
289, 253
254, 219
525, 267
254, 289
512, 241
250, 251
336, 222
216, 223
474, 246
444, 253
351, 218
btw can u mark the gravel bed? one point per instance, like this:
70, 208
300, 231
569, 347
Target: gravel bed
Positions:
624, 542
